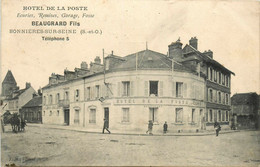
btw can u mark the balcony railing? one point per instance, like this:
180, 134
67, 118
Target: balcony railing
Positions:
64, 103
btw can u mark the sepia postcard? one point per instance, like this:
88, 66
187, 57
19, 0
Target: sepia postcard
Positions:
129, 83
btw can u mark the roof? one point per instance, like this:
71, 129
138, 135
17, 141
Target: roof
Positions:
148, 59
35, 102
244, 99
9, 78
208, 59
17, 94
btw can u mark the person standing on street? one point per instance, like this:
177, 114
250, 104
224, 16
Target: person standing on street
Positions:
150, 127
165, 127
106, 126
217, 127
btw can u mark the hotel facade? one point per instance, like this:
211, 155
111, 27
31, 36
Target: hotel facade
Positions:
147, 85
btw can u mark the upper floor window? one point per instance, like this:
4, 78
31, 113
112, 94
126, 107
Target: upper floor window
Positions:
50, 99
211, 74
88, 93
210, 95
227, 81
215, 75
193, 115
219, 77
57, 98
44, 99
66, 95
227, 99
219, 97
97, 93
179, 89
126, 88
223, 79
153, 88
77, 95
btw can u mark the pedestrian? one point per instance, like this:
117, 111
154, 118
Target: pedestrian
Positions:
106, 126
23, 124
165, 127
217, 127
150, 127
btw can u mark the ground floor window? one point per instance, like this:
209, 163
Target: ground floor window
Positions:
223, 116
227, 119
153, 114
76, 117
219, 115
179, 114
125, 117
58, 112
193, 115
92, 116
210, 115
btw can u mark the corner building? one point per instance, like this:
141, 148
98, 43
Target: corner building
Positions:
129, 91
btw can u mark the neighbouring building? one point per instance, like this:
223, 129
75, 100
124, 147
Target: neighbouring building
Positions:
14, 98
245, 109
32, 111
147, 85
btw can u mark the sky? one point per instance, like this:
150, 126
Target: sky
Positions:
229, 28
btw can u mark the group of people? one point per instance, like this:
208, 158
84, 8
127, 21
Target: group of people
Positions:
217, 127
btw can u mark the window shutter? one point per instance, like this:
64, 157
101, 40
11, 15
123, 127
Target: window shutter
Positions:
132, 88
173, 89
161, 89
118, 89
145, 88
184, 89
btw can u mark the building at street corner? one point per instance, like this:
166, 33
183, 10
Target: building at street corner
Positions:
128, 91
12, 96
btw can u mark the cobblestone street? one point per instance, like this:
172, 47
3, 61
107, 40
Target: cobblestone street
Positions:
41, 146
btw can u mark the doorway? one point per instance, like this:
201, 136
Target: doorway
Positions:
106, 115
66, 116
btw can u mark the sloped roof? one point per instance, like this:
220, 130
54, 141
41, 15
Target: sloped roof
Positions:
9, 78
35, 102
148, 59
244, 99
208, 59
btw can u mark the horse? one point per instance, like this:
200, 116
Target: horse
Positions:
14, 120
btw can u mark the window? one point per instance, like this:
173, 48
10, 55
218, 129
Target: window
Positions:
88, 93
126, 88
210, 95
153, 88
50, 113
210, 115
206, 116
77, 95
76, 117
193, 115
43, 113
227, 116
215, 75
125, 117
219, 115
57, 98
178, 117
58, 112
219, 77
179, 86
227, 81
97, 93
223, 79
223, 116
219, 97
50, 100
227, 99
153, 114
44, 100
211, 74
66, 95
92, 116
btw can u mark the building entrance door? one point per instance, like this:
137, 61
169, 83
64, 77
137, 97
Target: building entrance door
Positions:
106, 115
67, 116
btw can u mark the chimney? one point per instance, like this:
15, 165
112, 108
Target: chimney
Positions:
27, 85
84, 65
194, 42
208, 53
97, 60
175, 50
39, 92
